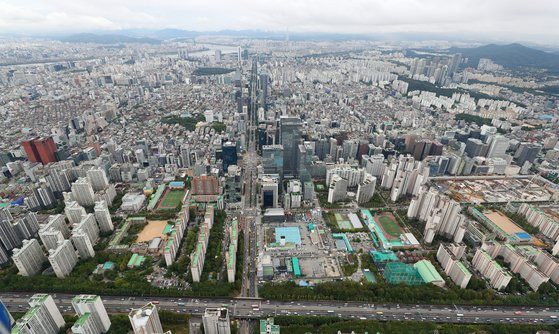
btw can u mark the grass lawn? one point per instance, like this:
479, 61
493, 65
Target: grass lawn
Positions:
172, 199
390, 226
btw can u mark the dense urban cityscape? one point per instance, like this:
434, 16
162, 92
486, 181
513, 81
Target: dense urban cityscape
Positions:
234, 183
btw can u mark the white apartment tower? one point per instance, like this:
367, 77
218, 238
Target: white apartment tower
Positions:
74, 212
42, 318
216, 321
63, 259
29, 258
83, 245
82, 192
103, 217
145, 320
93, 305
98, 178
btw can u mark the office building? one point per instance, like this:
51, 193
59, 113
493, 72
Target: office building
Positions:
41, 150
498, 147
42, 318
475, 148
229, 154
82, 192
103, 216
63, 259
272, 159
290, 135
29, 258
216, 321
93, 308
269, 191
145, 320
527, 152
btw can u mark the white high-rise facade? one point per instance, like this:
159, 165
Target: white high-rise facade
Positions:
145, 320
82, 244
98, 178
63, 259
29, 258
42, 318
93, 305
74, 212
103, 217
82, 192
216, 321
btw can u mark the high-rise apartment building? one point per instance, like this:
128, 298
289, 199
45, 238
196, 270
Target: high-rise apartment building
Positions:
42, 318
29, 258
103, 216
216, 321
82, 192
98, 178
145, 320
63, 259
74, 212
92, 307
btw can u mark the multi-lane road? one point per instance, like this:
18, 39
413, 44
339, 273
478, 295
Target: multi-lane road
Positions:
246, 308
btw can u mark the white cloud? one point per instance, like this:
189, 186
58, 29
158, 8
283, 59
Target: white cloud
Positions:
512, 18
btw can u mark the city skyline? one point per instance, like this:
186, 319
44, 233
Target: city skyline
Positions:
503, 21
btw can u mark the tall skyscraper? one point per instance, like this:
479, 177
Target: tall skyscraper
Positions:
41, 150
272, 159
527, 152
229, 153
92, 306
43, 317
290, 135
145, 320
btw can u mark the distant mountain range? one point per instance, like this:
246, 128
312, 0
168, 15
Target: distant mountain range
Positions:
513, 56
108, 39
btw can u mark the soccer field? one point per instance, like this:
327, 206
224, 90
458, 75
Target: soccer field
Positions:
390, 226
172, 199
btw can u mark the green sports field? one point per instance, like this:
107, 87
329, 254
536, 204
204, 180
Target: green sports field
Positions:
390, 226
172, 199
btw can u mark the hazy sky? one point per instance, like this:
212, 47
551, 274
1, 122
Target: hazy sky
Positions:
536, 20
